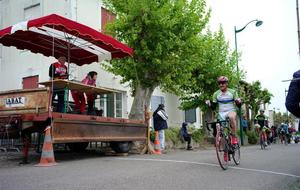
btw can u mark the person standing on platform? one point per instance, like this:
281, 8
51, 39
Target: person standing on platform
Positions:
59, 70
79, 98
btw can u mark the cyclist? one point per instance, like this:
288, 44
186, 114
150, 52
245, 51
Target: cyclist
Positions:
284, 132
226, 101
261, 123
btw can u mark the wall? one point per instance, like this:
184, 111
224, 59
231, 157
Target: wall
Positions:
17, 64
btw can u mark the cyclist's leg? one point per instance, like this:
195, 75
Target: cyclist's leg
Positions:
232, 120
257, 129
264, 134
233, 124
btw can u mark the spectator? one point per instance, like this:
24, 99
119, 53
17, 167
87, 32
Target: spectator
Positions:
244, 123
186, 135
160, 124
59, 70
274, 134
79, 98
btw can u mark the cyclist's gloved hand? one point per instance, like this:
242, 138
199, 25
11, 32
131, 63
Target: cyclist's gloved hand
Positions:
238, 102
207, 102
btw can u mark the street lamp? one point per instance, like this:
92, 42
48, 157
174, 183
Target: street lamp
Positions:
257, 24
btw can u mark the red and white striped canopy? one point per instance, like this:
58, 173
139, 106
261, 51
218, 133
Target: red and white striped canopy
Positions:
54, 35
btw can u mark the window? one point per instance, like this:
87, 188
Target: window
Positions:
106, 17
32, 11
102, 104
119, 104
30, 82
112, 105
155, 101
190, 116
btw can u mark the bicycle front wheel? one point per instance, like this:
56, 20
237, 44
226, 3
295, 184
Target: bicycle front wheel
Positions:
221, 149
236, 156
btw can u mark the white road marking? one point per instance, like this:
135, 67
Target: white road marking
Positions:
208, 164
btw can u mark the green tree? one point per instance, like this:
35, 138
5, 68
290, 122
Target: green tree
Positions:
283, 118
214, 58
165, 36
254, 96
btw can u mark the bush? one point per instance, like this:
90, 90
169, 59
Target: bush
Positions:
198, 135
172, 134
252, 137
239, 134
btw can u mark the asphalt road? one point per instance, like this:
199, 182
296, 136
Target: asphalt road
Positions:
277, 167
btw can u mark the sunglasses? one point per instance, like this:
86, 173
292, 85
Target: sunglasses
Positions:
222, 82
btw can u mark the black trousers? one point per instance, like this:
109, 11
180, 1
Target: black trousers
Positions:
60, 100
188, 139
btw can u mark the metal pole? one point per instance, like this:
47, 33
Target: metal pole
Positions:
238, 86
298, 26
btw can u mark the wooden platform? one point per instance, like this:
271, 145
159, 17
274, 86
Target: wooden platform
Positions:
72, 85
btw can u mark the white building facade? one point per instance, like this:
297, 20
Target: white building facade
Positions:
15, 65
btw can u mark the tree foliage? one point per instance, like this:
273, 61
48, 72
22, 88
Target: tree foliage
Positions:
253, 95
164, 36
214, 58
283, 118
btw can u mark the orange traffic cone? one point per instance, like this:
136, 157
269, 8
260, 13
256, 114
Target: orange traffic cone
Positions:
47, 158
156, 144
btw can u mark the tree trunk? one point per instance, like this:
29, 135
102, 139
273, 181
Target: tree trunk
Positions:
247, 112
142, 98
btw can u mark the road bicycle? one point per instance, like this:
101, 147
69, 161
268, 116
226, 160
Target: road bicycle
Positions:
262, 140
224, 149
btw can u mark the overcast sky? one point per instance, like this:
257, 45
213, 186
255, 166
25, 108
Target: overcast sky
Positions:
269, 52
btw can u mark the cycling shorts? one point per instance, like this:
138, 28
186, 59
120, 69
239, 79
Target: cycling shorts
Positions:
224, 115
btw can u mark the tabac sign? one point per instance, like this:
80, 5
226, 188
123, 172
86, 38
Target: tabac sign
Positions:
15, 102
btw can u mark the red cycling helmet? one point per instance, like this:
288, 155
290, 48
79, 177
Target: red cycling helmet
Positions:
222, 79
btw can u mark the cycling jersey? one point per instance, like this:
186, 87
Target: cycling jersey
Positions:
225, 100
284, 129
261, 120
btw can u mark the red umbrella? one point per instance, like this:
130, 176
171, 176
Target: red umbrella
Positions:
56, 36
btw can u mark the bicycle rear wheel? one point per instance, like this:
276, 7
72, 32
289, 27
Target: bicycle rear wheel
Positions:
236, 156
221, 149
